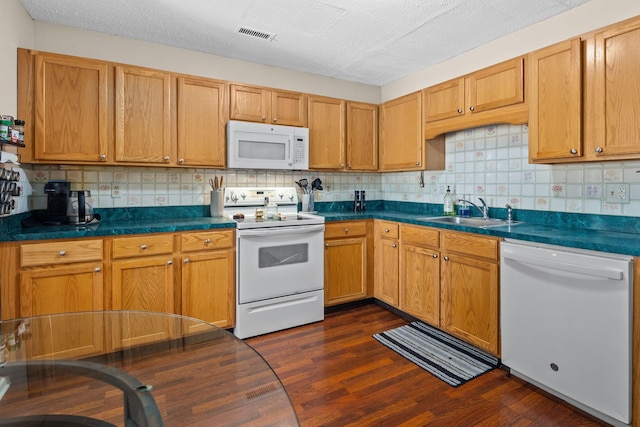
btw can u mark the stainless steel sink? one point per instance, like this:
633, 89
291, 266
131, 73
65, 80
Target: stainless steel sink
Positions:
470, 222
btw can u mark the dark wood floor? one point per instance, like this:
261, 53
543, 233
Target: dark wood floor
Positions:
337, 375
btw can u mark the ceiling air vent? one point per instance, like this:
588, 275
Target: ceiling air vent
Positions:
256, 33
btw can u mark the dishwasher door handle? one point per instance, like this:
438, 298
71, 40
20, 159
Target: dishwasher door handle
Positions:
584, 270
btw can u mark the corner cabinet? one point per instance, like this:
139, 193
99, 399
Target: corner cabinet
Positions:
401, 138
494, 94
143, 115
264, 105
343, 135
69, 116
345, 262
555, 103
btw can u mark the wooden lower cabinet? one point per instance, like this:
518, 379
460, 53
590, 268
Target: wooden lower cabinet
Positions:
55, 278
469, 289
387, 262
208, 277
420, 273
345, 262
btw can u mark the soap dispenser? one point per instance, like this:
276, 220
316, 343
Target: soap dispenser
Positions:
449, 208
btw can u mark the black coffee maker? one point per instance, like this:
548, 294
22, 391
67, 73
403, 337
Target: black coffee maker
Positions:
57, 197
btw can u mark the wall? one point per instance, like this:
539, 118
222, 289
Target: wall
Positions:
488, 162
577, 21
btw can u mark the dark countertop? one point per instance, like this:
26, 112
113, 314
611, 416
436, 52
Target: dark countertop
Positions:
613, 234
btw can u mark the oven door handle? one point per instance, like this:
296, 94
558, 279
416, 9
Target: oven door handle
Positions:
280, 231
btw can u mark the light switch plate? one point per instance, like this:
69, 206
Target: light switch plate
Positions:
616, 193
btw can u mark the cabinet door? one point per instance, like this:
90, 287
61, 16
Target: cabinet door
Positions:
469, 307
420, 283
615, 93
345, 270
250, 103
327, 141
71, 109
143, 115
63, 289
208, 283
555, 103
362, 136
288, 108
496, 86
401, 139
202, 111
144, 284
386, 270
444, 100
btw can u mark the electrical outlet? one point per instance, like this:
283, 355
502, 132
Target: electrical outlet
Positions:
116, 190
616, 193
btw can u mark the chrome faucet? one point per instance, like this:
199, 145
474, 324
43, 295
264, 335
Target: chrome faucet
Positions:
484, 210
509, 212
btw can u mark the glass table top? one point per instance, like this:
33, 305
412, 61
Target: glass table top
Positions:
121, 367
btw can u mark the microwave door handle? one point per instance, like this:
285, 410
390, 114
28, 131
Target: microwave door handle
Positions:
292, 150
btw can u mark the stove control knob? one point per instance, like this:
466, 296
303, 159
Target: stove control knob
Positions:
291, 197
281, 195
233, 197
243, 195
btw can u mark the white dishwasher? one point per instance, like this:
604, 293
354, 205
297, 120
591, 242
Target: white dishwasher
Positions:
566, 322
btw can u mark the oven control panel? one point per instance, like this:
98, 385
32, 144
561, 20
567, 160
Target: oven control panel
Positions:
255, 196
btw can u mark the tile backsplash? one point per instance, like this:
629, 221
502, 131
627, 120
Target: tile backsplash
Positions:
488, 162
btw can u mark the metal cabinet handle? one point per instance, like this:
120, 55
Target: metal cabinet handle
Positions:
573, 151
143, 247
207, 241
435, 256
181, 161
62, 253
472, 108
599, 150
186, 261
386, 230
166, 158
446, 258
394, 246
97, 269
275, 120
459, 110
349, 167
103, 157
264, 118
342, 165
346, 230
169, 262
417, 163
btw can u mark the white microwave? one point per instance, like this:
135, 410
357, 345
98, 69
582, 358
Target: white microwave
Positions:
263, 146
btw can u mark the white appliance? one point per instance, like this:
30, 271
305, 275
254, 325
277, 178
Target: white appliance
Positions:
566, 321
263, 146
279, 261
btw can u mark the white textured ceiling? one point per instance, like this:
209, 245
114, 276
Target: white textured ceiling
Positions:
368, 41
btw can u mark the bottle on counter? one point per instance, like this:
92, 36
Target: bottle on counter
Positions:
463, 208
449, 205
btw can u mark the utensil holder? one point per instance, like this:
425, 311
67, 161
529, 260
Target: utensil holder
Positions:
307, 203
217, 203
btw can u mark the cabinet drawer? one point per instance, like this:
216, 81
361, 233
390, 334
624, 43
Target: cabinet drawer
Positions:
468, 244
60, 252
345, 229
421, 236
142, 245
387, 229
207, 241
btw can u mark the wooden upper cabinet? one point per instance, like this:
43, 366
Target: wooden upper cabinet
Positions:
362, 136
613, 93
444, 100
71, 109
202, 112
555, 103
143, 115
327, 133
401, 138
263, 105
494, 94
343, 135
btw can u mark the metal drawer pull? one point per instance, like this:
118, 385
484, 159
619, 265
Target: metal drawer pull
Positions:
346, 230
446, 258
143, 247
186, 261
435, 255
207, 241
62, 253
169, 262
97, 269
394, 246
386, 230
